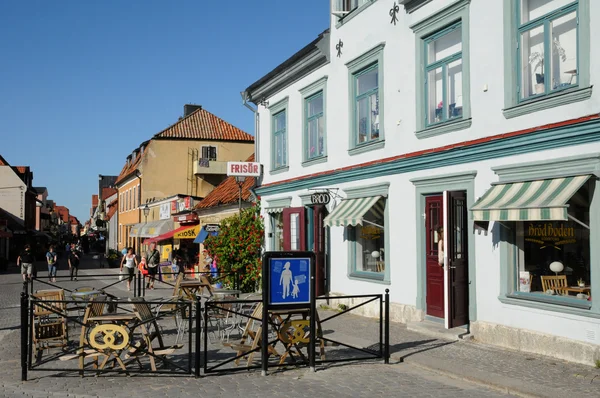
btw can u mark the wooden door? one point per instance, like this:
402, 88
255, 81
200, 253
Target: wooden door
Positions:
458, 262
294, 229
434, 217
320, 212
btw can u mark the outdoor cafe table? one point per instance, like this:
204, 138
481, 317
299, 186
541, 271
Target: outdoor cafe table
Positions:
191, 287
103, 337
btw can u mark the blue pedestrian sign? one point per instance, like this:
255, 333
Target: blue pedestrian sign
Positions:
288, 278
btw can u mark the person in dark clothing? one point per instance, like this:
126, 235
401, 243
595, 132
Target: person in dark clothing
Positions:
153, 258
25, 261
74, 257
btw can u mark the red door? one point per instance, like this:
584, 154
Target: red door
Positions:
294, 229
320, 212
434, 217
458, 264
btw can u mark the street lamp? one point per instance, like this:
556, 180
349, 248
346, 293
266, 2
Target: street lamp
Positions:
146, 212
240, 181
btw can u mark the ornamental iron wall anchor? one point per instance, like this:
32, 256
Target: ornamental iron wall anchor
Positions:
338, 47
394, 13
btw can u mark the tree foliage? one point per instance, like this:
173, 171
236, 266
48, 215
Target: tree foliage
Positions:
237, 247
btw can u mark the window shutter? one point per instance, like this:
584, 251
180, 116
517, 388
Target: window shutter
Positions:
205, 152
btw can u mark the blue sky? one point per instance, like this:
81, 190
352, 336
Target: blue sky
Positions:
85, 82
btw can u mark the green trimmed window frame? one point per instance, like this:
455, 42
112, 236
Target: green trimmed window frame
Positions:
316, 91
454, 16
509, 294
350, 235
369, 62
279, 137
515, 103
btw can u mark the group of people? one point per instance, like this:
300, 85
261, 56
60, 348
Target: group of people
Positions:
26, 261
148, 265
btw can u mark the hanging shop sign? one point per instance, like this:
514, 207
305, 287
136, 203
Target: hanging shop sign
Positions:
192, 217
320, 198
212, 227
243, 169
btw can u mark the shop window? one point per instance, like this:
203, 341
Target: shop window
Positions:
368, 243
277, 231
552, 258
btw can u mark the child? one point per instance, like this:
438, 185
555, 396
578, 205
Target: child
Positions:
295, 289
143, 266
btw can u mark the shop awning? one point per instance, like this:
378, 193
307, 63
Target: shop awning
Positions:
352, 211
529, 200
204, 234
170, 234
151, 229
272, 210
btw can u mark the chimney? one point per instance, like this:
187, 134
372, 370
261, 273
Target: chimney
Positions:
190, 108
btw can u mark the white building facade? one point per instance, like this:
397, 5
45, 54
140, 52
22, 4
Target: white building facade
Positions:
470, 122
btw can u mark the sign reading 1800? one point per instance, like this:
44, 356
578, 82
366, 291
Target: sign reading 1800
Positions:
243, 169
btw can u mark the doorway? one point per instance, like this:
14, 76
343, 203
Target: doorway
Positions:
303, 229
447, 288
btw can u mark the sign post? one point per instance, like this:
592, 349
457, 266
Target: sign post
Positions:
288, 280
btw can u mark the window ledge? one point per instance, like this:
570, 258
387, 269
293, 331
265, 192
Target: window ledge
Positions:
320, 159
547, 304
367, 147
444, 128
344, 20
279, 170
549, 101
369, 277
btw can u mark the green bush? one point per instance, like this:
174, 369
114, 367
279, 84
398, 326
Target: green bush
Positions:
238, 246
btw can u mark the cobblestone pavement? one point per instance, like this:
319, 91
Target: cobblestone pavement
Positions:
422, 366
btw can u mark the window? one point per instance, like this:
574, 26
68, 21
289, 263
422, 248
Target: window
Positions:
443, 86
134, 201
547, 54
138, 196
277, 231
552, 258
120, 231
345, 10
349, 5
443, 71
315, 126
279, 154
368, 242
366, 111
209, 152
366, 101
547, 46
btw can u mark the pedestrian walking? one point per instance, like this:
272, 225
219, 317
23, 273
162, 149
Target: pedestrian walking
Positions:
51, 259
130, 262
74, 258
152, 258
25, 261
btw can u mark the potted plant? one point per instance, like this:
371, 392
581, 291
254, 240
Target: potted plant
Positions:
580, 282
536, 59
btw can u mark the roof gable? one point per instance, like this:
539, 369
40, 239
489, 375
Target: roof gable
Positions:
203, 125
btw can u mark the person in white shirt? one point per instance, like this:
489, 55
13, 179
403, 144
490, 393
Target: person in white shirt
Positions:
130, 262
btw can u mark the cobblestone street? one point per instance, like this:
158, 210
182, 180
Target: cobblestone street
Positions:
421, 367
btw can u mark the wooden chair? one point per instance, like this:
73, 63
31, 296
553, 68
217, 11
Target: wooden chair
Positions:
147, 322
251, 338
49, 321
555, 283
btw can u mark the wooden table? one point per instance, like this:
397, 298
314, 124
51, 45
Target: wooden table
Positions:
190, 288
577, 289
111, 336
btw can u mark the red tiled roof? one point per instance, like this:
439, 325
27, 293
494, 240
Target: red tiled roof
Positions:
111, 210
63, 213
127, 170
73, 220
108, 192
94, 201
22, 169
203, 125
3, 161
227, 192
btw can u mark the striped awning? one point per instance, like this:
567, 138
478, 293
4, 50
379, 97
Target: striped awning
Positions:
528, 201
352, 211
272, 210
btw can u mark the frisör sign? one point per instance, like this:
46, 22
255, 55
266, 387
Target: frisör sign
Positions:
243, 169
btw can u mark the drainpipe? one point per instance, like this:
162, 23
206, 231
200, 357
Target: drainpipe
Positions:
139, 193
245, 99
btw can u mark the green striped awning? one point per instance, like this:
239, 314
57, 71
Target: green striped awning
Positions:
350, 211
528, 201
272, 210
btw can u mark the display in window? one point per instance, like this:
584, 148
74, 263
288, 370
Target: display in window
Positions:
369, 240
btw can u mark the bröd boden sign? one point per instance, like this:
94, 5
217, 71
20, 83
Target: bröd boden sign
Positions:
243, 169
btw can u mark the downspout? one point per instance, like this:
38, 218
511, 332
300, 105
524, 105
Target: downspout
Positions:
245, 99
139, 193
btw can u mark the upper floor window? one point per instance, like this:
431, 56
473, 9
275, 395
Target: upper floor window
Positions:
443, 71
315, 126
547, 46
442, 77
209, 152
349, 5
279, 150
366, 109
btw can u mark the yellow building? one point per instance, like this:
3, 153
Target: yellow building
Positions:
188, 158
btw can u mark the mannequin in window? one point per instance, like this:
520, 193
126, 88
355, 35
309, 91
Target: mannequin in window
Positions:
440, 236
